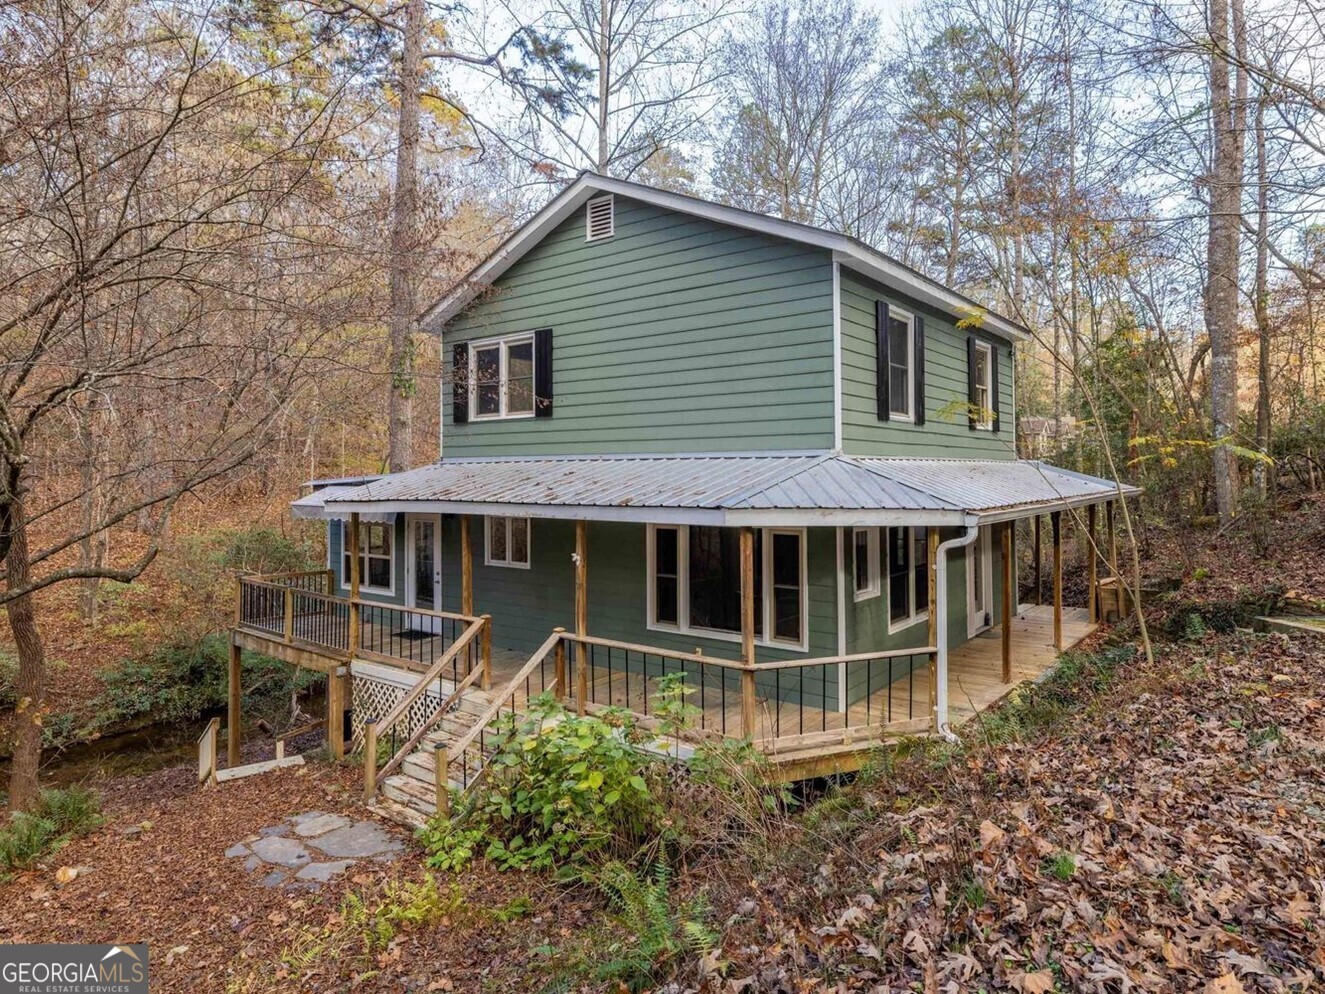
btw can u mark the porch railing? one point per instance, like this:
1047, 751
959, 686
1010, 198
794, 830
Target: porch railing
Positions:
288, 609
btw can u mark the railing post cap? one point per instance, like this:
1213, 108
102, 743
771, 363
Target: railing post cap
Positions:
486, 617
559, 630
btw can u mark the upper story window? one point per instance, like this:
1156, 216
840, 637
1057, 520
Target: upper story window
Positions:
599, 218
501, 378
982, 377
375, 556
507, 542
901, 365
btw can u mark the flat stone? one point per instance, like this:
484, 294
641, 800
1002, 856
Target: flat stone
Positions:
274, 879
252, 863
306, 816
274, 831
320, 825
363, 838
322, 872
282, 852
238, 849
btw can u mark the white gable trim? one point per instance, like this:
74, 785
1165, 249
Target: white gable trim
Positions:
847, 251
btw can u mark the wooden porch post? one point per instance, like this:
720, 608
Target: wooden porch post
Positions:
1056, 520
466, 568
748, 632
234, 707
353, 542
582, 607
1113, 537
1093, 576
1008, 609
933, 627
337, 683
1039, 584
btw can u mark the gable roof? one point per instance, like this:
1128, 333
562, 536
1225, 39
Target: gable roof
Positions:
850, 252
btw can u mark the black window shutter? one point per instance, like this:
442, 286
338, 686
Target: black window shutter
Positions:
993, 384
972, 415
920, 369
460, 383
881, 370
543, 373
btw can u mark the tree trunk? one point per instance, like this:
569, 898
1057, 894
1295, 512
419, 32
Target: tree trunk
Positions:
604, 81
28, 715
400, 413
1227, 115
1261, 473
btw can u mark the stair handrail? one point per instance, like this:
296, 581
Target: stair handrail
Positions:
424, 728
504, 695
373, 728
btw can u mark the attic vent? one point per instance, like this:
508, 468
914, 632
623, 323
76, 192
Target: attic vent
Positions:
599, 219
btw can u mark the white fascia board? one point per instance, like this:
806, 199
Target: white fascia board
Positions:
855, 254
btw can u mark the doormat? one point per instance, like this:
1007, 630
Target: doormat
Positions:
413, 635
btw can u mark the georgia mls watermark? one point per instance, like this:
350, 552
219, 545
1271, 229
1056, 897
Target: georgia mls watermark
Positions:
73, 969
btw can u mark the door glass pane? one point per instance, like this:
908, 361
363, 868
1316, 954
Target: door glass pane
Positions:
497, 539
519, 540
487, 379
425, 565
978, 572
520, 378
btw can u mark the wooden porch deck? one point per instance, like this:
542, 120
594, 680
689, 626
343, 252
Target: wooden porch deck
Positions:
974, 684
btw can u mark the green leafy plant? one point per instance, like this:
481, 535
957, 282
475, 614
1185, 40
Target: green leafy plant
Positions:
561, 789
61, 815
1062, 865
660, 928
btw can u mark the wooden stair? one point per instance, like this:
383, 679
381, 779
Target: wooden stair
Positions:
412, 792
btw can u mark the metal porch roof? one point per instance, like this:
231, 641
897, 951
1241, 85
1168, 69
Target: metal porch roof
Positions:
772, 488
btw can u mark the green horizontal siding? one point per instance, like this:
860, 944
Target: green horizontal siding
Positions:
945, 433
675, 335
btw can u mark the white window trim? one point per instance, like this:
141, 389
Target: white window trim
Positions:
986, 422
487, 541
911, 620
504, 343
364, 586
611, 215
909, 318
763, 598
875, 586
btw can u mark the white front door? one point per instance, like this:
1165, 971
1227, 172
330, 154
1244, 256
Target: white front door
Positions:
423, 565
979, 580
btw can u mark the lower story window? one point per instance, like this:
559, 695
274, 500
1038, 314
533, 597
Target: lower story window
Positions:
375, 570
508, 542
695, 579
908, 575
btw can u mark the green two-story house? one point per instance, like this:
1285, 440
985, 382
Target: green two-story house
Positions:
674, 425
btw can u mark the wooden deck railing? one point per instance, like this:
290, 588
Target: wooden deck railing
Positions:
404, 741
287, 609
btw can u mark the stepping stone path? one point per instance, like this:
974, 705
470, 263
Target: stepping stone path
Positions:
295, 852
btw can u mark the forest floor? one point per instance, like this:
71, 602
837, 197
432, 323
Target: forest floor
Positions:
1133, 826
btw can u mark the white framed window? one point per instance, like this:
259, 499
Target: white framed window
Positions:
865, 562
694, 581
908, 577
901, 365
501, 378
377, 572
599, 218
507, 541
983, 375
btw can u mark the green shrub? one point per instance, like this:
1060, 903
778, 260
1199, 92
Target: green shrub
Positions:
561, 789
60, 815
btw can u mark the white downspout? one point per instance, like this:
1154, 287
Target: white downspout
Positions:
941, 628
